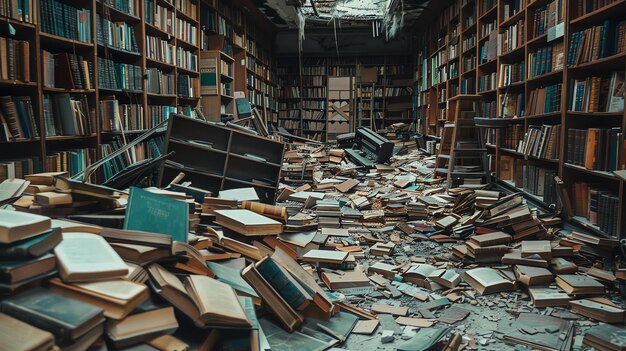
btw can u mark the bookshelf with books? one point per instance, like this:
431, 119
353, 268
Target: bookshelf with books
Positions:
558, 85
289, 103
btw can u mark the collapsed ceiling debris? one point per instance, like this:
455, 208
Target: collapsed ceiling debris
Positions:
386, 17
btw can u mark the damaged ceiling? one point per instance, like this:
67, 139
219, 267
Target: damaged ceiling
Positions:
384, 17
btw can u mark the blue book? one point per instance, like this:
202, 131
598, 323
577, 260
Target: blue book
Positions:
156, 213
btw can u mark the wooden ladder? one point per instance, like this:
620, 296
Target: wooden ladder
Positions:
462, 152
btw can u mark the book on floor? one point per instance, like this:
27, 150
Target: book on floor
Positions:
488, 280
68, 319
529, 275
16, 225
544, 296
156, 213
605, 337
246, 222
17, 335
117, 297
31, 247
579, 284
208, 302
88, 257
142, 326
600, 309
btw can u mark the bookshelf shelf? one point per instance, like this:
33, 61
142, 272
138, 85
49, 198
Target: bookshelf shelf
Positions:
54, 40
118, 52
116, 14
545, 43
600, 14
70, 137
71, 91
154, 31
14, 83
17, 23
605, 175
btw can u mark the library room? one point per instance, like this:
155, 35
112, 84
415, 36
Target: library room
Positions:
310, 175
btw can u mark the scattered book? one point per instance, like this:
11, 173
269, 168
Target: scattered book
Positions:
488, 280
325, 256
605, 337
16, 226
117, 297
14, 272
530, 276
246, 222
347, 280
88, 257
142, 326
579, 284
17, 335
151, 212
600, 309
543, 296
66, 318
31, 247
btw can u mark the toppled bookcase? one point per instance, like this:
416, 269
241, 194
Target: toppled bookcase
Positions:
216, 158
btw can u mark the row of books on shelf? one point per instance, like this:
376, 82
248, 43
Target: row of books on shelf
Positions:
290, 124
468, 85
146, 150
160, 17
341, 71
596, 205
160, 113
186, 31
115, 116
119, 76
544, 100
487, 82
289, 114
21, 10
313, 126
542, 142
594, 148
536, 180
587, 6
469, 63
290, 92
511, 38
159, 49
64, 20
66, 70
188, 86
73, 161
547, 16
17, 118
453, 69
511, 73
130, 7
398, 91
313, 114
186, 59
314, 92
488, 50
15, 58
597, 42
227, 88
18, 168
67, 115
188, 7
314, 80
313, 70
488, 27
598, 93
158, 82
119, 35
547, 59
227, 68
468, 42
512, 8
511, 136
513, 105
311, 104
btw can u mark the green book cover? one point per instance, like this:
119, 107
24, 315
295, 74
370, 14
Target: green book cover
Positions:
156, 213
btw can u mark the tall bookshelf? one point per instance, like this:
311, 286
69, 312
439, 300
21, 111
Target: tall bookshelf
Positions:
380, 99
530, 84
145, 69
246, 60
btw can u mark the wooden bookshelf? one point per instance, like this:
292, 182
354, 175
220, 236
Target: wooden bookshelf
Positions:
387, 92
151, 105
436, 84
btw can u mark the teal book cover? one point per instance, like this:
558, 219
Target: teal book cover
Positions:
156, 213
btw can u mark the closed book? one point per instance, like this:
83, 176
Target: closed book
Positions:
544, 296
31, 247
16, 226
579, 284
600, 309
286, 286
53, 198
151, 212
350, 279
88, 257
17, 335
529, 275
142, 326
606, 337
491, 239
488, 280
117, 297
66, 318
288, 317
246, 222
14, 272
